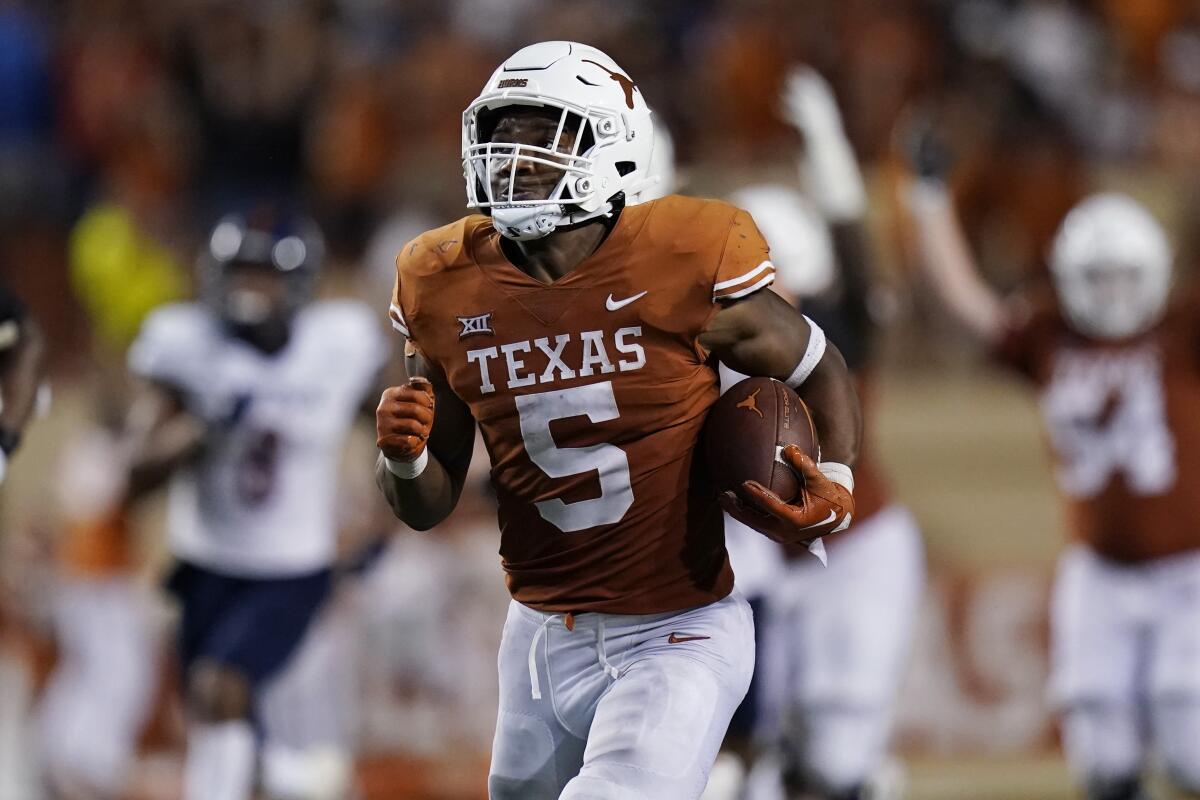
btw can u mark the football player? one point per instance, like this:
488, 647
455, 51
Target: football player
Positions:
22, 356
106, 672
833, 638
1118, 380
580, 334
247, 399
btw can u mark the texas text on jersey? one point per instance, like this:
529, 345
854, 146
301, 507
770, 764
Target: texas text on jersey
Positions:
590, 393
1120, 419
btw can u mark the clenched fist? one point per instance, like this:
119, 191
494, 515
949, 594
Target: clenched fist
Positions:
404, 420
824, 506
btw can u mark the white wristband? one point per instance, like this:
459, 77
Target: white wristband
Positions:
407, 470
812, 355
838, 473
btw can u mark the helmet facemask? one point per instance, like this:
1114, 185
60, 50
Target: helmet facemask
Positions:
1112, 300
530, 189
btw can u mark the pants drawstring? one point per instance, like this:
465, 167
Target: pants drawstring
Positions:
534, 684
609, 669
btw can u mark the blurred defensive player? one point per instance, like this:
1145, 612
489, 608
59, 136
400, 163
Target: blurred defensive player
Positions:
246, 402
1117, 374
836, 637
21, 364
577, 331
833, 638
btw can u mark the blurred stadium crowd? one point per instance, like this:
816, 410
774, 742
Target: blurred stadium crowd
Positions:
128, 126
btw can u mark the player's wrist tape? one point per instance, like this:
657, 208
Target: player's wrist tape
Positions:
812, 355
407, 470
843, 476
838, 473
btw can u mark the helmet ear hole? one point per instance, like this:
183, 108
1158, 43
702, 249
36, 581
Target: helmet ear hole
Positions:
625, 167
587, 138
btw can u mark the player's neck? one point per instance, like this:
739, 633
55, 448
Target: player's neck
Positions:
554, 256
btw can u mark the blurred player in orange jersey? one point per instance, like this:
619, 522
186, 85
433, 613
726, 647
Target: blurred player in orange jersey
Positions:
1117, 374
833, 637
579, 332
104, 682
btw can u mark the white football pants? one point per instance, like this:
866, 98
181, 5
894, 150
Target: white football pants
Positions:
1125, 668
618, 707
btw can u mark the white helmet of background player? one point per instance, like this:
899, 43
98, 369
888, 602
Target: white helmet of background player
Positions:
596, 100
1111, 262
801, 248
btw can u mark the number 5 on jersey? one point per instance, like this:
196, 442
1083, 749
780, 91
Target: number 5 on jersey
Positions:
598, 403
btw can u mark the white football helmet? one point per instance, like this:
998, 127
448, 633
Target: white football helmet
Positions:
1111, 262
610, 154
795, 230
661, 177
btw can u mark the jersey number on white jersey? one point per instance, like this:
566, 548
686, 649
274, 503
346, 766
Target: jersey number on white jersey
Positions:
257, 468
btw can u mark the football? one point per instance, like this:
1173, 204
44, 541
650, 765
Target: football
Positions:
748, 426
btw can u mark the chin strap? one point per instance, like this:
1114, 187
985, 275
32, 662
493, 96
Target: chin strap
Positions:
527, 223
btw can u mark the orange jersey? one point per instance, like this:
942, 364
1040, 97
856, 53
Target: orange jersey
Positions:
1121, 422
590, 393
99, 546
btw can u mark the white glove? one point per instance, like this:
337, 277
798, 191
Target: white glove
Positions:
830, 169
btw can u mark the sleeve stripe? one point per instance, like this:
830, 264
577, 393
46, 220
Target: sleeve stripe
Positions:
397, 318
717, 287
766, 281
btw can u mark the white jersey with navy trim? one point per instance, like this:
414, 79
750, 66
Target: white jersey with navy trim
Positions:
260, 500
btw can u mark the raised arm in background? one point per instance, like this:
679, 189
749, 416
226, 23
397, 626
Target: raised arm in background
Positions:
945, 255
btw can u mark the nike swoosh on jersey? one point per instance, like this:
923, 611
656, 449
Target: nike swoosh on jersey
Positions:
832, 516
613, 305
675, 638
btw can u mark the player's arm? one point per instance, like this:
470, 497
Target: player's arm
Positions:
944, 254
22, 363
425, 435
834, 181
761, 334
160, 436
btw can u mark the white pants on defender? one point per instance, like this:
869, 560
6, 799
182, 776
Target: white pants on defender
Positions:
835, 644
621, 707
1126, 665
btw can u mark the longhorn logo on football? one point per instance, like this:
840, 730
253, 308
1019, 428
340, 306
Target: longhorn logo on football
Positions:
751, 402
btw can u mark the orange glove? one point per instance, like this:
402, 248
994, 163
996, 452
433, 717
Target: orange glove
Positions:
824, 505
403, 422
